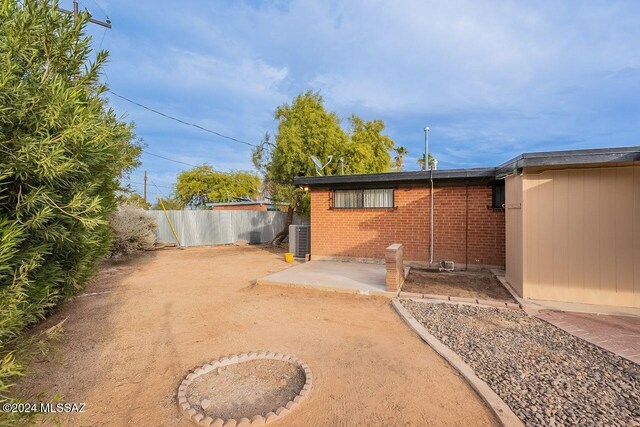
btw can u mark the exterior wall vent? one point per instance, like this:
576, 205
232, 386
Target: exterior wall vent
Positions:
446, 266
300, 240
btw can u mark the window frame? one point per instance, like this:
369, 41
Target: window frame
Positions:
362, 190
495, 196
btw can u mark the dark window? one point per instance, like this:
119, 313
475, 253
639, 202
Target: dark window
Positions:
363, 199
497, 197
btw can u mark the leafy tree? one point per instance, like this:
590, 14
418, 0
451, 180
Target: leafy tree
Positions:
306, 128
62, 154
367, 149
202, 184
131, 198
170, 203
431, 161
400, 151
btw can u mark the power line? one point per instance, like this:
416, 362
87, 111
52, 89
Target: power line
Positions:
104, 33
99, 7
181, 121
165, 212
140, 183
75, 12
169, 159
154, 184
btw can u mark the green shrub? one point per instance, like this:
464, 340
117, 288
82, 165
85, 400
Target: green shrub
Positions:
62, 154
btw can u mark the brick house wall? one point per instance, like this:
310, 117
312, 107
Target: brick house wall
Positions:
367, 232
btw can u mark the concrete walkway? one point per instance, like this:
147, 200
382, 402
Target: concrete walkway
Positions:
352, 277
618, 334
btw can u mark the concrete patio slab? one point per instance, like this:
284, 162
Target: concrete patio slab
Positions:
351, 277
617, 334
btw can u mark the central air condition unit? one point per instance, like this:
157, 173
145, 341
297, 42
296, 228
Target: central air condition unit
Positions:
255, 238
300, 240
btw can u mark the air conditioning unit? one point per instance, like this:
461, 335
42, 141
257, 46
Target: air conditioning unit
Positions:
300, 240
255, 238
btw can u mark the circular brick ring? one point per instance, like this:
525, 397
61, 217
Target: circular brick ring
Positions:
258, 420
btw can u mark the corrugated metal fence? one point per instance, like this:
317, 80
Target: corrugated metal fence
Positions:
200, 227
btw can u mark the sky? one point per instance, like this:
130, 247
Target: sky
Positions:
492, 79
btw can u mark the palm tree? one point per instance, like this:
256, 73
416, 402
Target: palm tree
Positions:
400, 153
431, 161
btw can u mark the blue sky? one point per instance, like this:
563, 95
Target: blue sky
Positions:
492, 79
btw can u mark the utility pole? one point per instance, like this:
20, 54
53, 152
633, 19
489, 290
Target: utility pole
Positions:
145, 187
74, 12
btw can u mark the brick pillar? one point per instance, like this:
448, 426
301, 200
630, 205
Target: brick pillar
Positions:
395, 267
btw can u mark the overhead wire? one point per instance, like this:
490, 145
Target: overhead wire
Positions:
166, 214
168, 116
101, 9
104, 33
155, 185
156, 111
169, 159
141, 183
180, 120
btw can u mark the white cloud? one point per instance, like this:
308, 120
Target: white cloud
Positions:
492, 78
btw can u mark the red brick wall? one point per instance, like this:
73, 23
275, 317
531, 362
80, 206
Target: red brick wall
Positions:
367, 232
255, 207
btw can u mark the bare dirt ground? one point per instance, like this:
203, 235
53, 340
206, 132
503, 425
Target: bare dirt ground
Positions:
471, 284
246, 389
144, 323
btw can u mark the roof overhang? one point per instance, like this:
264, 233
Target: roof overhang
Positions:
572, 157
392, 179
476, 176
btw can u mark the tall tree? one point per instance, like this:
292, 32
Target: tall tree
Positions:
62, 154
400, 151
128, 197
432, 162
306, 128
202, 184
367, 149
169, 203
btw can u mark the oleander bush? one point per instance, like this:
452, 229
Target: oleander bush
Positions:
63, 152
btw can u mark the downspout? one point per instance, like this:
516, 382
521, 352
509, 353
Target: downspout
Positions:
428, 165
466, 227
431, 222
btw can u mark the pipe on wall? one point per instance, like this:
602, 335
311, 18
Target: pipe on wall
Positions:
431, 233
466, 226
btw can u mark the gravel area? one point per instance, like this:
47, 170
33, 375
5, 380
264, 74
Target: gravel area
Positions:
547, 376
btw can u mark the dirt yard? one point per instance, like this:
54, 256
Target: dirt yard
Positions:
143, 324
244, 390
472, 284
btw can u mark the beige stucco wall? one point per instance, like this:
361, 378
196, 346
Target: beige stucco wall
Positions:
580, 235
513, 224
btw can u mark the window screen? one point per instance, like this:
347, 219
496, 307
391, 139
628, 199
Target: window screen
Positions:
497, 197
363, 199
